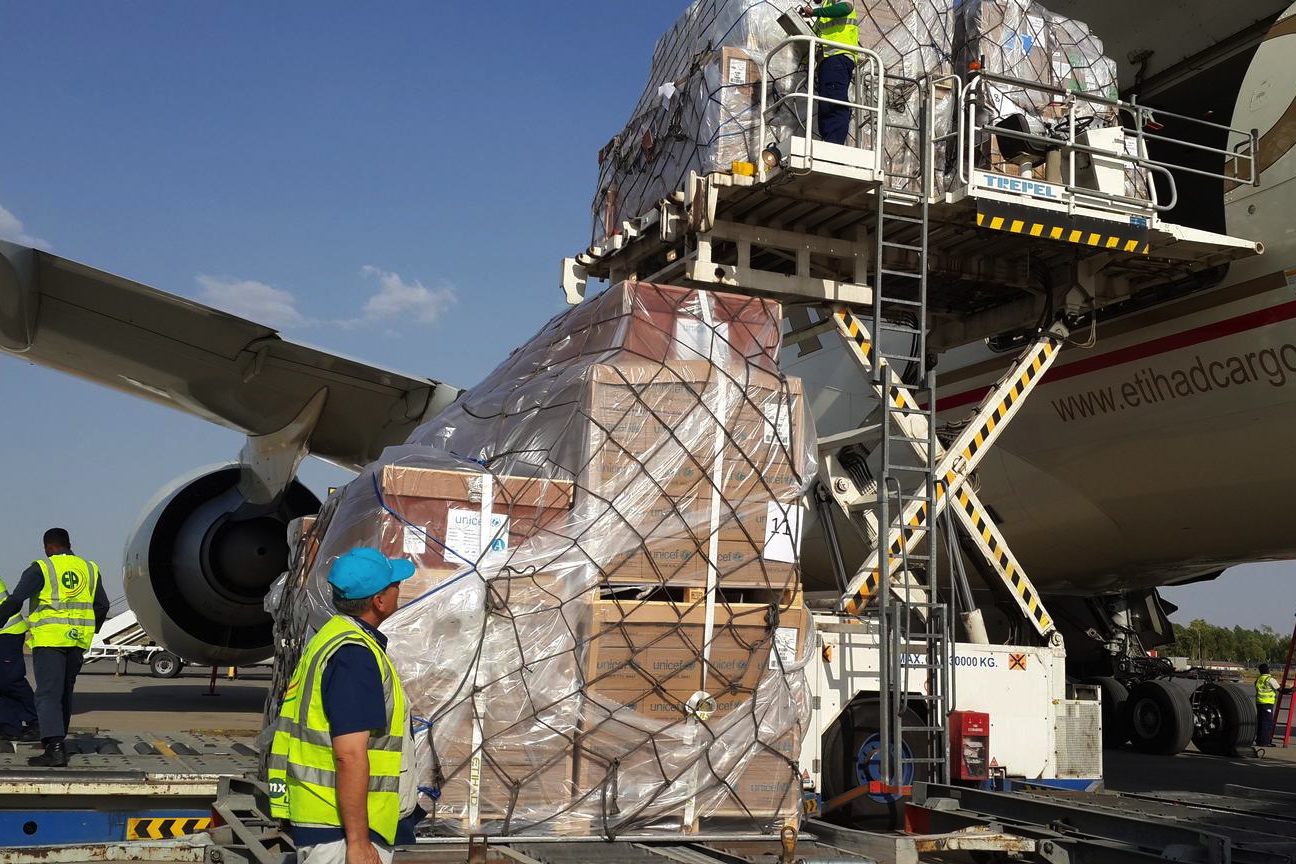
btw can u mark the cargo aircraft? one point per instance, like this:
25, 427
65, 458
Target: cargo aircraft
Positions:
1152, 457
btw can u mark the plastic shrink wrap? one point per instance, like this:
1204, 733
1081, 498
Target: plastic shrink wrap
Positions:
700, 109
621, 651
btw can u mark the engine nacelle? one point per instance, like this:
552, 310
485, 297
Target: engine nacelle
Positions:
199, 563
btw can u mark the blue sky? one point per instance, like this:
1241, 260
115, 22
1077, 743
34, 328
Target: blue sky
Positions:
390, 181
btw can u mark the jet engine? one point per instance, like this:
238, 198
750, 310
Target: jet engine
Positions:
200, 561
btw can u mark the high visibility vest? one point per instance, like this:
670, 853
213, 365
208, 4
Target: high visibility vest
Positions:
302, 770
16, 624
64, 613
843, 31
1266, 689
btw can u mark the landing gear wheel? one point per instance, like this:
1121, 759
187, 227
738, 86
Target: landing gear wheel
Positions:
1115, 719
1160, 718
1226, 719
164, 664
852, 757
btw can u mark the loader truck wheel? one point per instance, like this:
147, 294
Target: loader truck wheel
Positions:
1160, 718
164, 664
1225, 717
1115, 718
852, 757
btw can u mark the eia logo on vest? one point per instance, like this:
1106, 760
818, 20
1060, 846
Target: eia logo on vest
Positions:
71, 581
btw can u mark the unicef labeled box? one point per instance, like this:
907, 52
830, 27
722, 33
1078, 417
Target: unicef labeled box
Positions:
434, 517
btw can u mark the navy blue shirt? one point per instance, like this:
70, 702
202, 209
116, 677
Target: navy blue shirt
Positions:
353, 702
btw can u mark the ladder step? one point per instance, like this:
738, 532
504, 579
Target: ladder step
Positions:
908, 274
899, 301
900, 328
890, 244
909, 220
904, 729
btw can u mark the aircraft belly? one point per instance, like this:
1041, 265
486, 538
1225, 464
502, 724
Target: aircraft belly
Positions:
1154, 470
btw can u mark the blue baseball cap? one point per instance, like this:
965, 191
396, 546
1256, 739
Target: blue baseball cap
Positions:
363, 572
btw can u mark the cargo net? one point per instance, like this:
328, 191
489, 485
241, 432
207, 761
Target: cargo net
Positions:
700, 110
621, 650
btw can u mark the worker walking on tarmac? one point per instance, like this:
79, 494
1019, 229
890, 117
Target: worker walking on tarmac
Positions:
340, 761
835, 23
68, 606
17, 706
1266, 687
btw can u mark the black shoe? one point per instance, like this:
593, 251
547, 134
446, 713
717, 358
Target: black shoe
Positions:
55, 755
9, 736
30, 732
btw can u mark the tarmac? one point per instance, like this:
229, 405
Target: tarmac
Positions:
137, 701
189, 703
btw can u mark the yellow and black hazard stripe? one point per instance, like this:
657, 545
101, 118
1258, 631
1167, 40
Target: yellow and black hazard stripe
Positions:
968, 446
1054, 225
1004, 562
163, 827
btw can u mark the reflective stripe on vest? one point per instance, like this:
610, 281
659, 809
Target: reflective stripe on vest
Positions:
301, 771
1268, 694
63, 616
16, 624
843, 31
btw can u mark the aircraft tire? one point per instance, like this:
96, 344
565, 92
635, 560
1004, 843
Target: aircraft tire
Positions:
164, 664
848, 747
1115, 719
1226, 719
1160, 717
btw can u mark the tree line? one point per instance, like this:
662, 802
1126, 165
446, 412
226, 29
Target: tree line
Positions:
1202, 641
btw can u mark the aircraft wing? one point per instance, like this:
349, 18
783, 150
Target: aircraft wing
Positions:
231, 371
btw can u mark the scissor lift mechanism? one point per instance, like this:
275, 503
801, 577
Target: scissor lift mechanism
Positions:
768, 230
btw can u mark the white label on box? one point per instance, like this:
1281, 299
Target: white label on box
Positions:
1291, 277
463, 539
782, 532
784, 653
737, 70
415, 541
703, 339
778, 422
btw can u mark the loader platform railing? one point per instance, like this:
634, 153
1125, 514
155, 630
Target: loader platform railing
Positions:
1087, 150
787, 124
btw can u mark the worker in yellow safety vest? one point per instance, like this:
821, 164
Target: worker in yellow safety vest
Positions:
1266, 687
17, 705
835, 23
339, 768
67, 607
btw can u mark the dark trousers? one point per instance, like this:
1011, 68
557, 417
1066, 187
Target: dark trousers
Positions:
1264, 725
832, 80
56, 671
17, 707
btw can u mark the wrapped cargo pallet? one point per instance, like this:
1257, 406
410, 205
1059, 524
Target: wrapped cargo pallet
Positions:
700, 109
606, 631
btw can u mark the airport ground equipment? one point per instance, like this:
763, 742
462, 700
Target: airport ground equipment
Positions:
117, 788
901, 267
122, 640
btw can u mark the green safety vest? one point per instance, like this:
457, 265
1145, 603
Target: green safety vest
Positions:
15, 625
1268, 693
64, 613
302, 771
843, 31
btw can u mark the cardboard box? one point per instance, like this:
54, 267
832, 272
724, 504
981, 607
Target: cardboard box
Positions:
661, 440
665, 324
440, 516
769, 788
650, 655
526, 784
